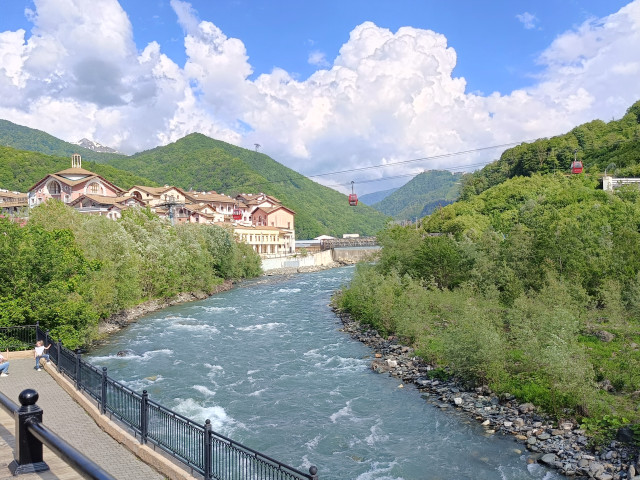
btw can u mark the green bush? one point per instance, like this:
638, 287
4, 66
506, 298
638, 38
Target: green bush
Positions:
67, 270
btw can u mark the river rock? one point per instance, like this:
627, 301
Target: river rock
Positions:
596, 469
605, 336
625, 435
526, 408
548, 459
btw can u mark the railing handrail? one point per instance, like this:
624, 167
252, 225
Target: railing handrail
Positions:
206, 430
73, 457
28, 417
6, 403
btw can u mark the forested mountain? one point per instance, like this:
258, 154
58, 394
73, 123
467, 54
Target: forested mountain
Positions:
375, 197
20, 170
597, 144
421, 195
30, 139
194, 162
202, 163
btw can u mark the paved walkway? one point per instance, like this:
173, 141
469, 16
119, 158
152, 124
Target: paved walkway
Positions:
66, 418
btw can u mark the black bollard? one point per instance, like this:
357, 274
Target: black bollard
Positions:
28, 448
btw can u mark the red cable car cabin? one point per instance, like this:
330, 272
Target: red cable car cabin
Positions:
576, 166
237, 214
353, 198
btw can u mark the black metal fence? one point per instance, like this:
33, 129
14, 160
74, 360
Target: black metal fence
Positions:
17, 338
197, 446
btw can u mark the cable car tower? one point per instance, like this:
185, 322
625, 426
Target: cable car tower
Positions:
170, 205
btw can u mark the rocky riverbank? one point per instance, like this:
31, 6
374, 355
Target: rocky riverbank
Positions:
564, 447
121, 319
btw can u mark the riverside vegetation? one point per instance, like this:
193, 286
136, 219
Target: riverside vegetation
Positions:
68, 270
532, 290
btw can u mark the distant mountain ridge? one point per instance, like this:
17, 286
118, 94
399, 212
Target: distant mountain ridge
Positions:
95, 146
30, 139
375, 197
421, 195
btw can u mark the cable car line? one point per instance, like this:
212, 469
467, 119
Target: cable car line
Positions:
390, 164
431, 157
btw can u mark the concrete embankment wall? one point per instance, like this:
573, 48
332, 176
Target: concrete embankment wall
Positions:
354, 255
310, 260
320, 259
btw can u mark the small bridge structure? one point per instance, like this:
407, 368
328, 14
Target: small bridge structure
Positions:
333, 243
610, 183
351, 250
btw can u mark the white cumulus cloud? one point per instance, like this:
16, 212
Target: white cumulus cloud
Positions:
386, 98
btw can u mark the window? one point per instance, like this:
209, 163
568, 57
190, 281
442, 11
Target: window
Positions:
54, 188
94, 188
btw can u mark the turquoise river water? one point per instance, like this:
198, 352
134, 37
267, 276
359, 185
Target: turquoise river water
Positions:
267, 364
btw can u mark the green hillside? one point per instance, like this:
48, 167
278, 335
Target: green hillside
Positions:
25, 138
20, 170
597, 144
202, 163
422, 195
375, 197
531, 288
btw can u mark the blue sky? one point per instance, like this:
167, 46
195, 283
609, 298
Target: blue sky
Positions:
322, 86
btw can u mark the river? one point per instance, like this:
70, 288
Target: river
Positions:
267, 364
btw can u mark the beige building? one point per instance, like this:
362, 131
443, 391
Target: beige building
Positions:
224, 205
157, 196
266, 240
110, 207
13, 203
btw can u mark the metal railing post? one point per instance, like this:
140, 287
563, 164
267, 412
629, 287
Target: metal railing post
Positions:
314, 472
103, 393
207, 449
59, 350
28, 448
77, 369
144, 416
